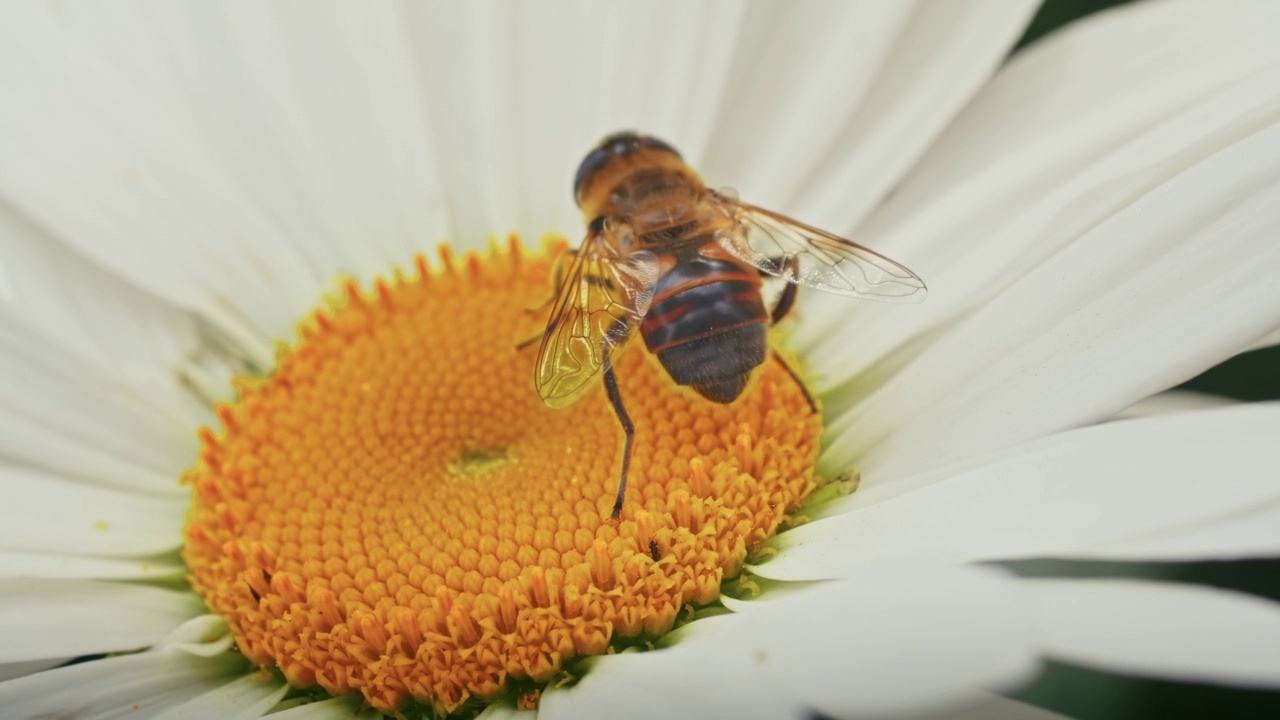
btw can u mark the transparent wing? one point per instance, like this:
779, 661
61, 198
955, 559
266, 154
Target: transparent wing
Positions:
785, 248
600, 302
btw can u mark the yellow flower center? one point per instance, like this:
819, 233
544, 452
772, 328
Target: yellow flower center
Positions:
395, 512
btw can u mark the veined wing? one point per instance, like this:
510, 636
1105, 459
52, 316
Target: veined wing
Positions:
600, 302
789, 249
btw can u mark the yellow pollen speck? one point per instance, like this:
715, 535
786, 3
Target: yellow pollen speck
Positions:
395, 512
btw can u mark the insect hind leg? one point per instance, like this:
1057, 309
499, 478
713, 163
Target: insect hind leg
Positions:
813, 406
787, 300
615, 398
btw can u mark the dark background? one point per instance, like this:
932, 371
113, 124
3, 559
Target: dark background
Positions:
1081, 692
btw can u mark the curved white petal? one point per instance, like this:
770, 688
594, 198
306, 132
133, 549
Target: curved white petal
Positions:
1245, 533
1173, 283
1089, 493
502, 712
59, 618
128, 686
1268, 340
816, 61
335, 709
25, 564
204, 635
996, 707
113, 328
942, 56
80, 422
1182, 632
315, 113
47, 513
1071, 130
244, 698
517, 94
898, 639
1173, 401
9, 671
127, 179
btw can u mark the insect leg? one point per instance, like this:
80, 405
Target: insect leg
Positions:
557, 277
590, 279
611, 386
788, 297
786, 301
813, 406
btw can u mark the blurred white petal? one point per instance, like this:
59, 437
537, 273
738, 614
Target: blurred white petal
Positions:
944, 53
1031, 164
841, 649
1181, 632
61, 618
119, 175
1173, 401
8, 671
1091, 330
47, 513
519, 92
1081, 494
29, 564
56, 299
129, 686
247, 697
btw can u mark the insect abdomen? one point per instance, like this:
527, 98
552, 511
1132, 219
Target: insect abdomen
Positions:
708, 327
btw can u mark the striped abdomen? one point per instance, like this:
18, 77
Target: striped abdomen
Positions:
708, 326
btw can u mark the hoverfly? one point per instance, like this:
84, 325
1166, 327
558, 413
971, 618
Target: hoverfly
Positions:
685, 264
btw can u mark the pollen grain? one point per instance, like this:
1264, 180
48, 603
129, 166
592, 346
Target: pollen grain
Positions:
395, 512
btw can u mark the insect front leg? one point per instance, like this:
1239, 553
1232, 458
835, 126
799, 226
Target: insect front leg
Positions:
557, 277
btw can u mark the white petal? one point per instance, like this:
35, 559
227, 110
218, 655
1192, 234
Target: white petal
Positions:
59, 618
334, 709
20, 564
1182, 632
47, 513
1068, 132
502, 712
1086, 493
995, 707
129, 686
316, 115
945, 52
1246, 533
78, 422
9, 671
1174, 283
517, 94
1268, 340
126, 179
114, 329
250, 696
1173, 401
898, 639
204, 635
814, 61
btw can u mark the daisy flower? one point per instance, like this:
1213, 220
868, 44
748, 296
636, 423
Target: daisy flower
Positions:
262, 455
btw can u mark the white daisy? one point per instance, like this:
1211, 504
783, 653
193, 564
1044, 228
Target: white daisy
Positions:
179, 186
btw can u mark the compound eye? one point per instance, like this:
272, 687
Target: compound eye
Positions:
625, 146
591, 164
654, 143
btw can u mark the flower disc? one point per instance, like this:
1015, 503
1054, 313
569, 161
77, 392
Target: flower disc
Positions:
395, 512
